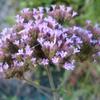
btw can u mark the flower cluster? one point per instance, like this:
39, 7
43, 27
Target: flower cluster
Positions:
39, 38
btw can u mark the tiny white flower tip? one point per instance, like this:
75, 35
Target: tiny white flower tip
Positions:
45, 62
76, 50
74, 14
28, 50
41, 9
55, 60
5, 66
53, 6
69, 9
25, 10
69, 66
75, 28
47, 9
88, 21
16, 42
21, 63
33, 60
1, 69
62, 7
20, 52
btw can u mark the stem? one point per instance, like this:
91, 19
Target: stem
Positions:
55, 96
62, 84
38, 87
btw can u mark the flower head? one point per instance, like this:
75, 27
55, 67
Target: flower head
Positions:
39, 37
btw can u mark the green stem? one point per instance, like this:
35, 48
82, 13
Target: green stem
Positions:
38, 87
63, 83
55, 95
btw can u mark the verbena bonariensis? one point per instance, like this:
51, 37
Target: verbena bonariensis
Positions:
40, 38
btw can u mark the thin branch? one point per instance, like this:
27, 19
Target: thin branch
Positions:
55, 95
38, 87
63, 83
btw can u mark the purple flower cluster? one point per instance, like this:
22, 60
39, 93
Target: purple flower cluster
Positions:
38, 38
